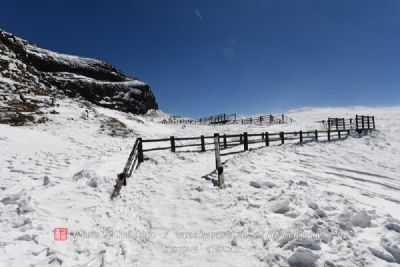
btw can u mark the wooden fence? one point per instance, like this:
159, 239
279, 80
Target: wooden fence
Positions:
268, 119
360, 122
232, 118
223, 142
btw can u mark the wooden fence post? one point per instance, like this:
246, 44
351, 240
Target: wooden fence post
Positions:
329, 135
262, 136
241, 139
339, 134
225, 144
356, 122
337, 123
220, 169
363, 124
260, 119
246, 141
329, 124
301, 137
283, 118
216, 141
368, 118
140, 150
172, 144
271, 119
282, 136
266, 139
203, 146
316, 135
373, 122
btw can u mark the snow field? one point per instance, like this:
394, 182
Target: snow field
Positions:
318, 204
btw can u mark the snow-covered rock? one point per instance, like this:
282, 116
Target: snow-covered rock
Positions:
360, 219
302, 258
32, 77
281, 206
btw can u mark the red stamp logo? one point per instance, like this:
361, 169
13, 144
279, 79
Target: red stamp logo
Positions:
60, 234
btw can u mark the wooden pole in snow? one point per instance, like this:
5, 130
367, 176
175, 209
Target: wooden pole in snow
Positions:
172, 144
203, 147
245, 141
301, 137
220, 169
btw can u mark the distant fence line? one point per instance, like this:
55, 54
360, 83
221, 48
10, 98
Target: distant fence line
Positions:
231, 118
221, 142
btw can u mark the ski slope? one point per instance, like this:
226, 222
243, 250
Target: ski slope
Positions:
319, 204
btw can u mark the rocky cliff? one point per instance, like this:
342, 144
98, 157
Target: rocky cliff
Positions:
31, 77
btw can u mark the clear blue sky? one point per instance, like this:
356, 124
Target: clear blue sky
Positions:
239, 56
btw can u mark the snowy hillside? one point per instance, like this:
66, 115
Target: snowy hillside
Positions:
319, 204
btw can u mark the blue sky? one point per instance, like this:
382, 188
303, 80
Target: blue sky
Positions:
235, 56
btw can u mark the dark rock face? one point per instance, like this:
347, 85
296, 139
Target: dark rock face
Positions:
95, 80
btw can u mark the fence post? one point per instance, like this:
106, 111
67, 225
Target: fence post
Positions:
329, 124
246, 141
262, 136
373, 122
316, 135
337, 123
203, 146
225, 145
368, 117
363, 124
220, 169
351, 121
283, 118
140, 151
339, 134
329, 135
216, 141
260, 119
266, 139
282, 136
172, 144
241, 139
356, 122
271, 119
301, 137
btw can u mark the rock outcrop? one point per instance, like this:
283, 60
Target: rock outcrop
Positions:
27, 70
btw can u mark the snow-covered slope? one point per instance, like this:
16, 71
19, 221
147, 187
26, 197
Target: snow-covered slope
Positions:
29, 74
319, 204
